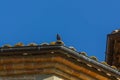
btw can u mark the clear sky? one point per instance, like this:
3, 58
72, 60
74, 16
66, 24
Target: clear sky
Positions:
83, 24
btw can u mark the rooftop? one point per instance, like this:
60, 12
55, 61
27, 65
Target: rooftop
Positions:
22, 50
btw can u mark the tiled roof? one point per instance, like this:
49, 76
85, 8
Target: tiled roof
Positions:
70, 51
116, 31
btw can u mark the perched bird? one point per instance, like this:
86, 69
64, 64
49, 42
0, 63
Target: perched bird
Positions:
58, 37
59, 41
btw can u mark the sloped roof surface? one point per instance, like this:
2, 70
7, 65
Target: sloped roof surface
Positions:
59, 45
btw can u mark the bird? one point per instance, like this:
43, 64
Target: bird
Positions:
59, 40
58, 37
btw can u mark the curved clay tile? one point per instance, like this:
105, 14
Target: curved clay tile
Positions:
19, 44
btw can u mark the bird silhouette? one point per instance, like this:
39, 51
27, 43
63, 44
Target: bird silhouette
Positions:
59, 41
58, 37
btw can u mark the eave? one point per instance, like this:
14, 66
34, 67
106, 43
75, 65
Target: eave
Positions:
61, 53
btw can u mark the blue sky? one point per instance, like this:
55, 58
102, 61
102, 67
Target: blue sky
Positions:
83, 24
